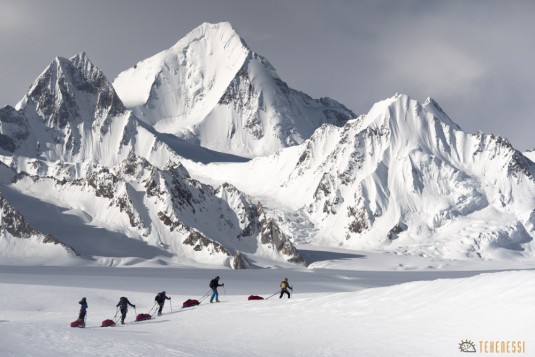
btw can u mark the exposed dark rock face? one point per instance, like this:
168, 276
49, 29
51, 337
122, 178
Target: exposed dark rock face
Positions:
16, 225
199, 242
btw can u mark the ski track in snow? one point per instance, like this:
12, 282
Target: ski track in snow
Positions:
333, 312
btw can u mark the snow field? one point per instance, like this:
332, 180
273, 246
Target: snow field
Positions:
419, 318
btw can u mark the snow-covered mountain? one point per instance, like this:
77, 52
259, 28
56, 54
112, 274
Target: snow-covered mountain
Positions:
72, 116
404, 177
164, 208
74, 146
78, 165
211, 89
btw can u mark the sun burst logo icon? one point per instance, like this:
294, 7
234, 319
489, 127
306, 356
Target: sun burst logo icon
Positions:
467, 346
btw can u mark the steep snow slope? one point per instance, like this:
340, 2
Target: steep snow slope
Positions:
210, 88
20, 243
403, 177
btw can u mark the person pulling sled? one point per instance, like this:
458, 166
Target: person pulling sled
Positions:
160, 299
284, 288
81, 316
214, 284
123, 306
83, 309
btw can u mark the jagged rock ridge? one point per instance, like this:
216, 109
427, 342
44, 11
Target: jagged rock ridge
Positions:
166, 208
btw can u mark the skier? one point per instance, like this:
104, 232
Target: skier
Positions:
83, 311
123, 305
214, 284
284, 288
160, 299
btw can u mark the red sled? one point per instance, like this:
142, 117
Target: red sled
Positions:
143, 317
255, 297
190, 303
78, 323
107, 323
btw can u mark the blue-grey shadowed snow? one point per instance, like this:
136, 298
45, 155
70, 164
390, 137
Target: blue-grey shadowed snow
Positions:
313, 256
197, 153
72, 230
193, 151
194, 281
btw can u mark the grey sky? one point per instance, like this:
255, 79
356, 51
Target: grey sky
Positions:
476, 58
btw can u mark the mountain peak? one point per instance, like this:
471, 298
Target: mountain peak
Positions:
434, 108
77, 71
222, 32
80, 57
204, 60
70, 90
211, 74
82, 61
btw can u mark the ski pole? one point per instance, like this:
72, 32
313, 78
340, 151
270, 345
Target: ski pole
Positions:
224, 290
171, 304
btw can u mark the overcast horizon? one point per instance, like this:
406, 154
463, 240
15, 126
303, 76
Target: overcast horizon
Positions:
474, 57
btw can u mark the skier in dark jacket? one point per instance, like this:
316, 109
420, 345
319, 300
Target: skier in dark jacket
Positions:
83, 310
160, 299
123, 305
284, 288
214, 284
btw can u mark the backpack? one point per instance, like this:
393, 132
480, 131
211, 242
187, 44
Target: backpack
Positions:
122, 303
284, 285
158, 298
213, 284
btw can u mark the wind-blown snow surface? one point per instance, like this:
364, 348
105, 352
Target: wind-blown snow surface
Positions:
333, 313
